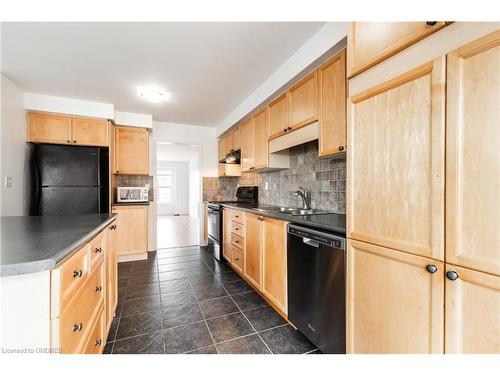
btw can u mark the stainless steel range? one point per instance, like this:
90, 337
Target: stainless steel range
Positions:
247, 195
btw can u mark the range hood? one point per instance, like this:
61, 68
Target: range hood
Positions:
297, 137
232, 158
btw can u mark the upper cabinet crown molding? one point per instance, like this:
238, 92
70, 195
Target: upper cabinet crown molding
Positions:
369, 43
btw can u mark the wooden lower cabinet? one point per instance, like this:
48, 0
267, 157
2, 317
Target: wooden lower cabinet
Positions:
131, 232
394, 304
472, 312
81, 311
97, 338
227, 251
253, 249
274, 262
111, 257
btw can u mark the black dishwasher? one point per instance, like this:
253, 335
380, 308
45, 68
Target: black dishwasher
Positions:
316, 286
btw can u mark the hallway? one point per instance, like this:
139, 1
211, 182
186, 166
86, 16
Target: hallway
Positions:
176, 231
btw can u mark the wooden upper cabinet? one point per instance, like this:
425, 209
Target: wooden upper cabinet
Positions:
395, 194
89, 132
236, 138
229, 142
261, 138
253, 249
222, 148
473, 155
45, 128
131, 150
247, 146
304, 102
274, 262
472, 312
394, 305
333, 119
279, 110
369, 43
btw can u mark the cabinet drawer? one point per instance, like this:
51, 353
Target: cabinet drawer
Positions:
238, 217
96, 341
237, 241
75, 322
238, 259
68, 278
97, 248
238, 229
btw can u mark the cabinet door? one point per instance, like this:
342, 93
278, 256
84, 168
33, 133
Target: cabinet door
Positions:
131, 230
396, 163
49, 128
236, 138
253, 249
274, 262
222, 148
90, 132
278, 116
261, 138
472, 312
131, 150
226, 235
229, 142
333, 119
111, 276
304, 102
394, 305
247, 146
372, 42
473, 156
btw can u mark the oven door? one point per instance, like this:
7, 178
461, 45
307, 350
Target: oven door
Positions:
214, 223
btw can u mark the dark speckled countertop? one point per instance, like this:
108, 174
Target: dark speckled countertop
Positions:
37, 243
328, 221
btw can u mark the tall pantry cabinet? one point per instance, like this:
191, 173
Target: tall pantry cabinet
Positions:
424, 208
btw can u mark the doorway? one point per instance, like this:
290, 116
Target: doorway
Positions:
178, 189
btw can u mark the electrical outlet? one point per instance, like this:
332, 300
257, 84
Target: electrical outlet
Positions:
8, 181
266, 186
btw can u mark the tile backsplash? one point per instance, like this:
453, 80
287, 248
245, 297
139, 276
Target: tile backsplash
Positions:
325, 178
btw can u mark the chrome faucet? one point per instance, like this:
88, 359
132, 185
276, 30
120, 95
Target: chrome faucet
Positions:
306, 197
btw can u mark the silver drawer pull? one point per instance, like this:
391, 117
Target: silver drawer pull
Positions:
310, 242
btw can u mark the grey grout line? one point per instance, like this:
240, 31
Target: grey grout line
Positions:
251, 325
203, 314
205, 319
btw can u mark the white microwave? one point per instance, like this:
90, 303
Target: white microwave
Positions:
132, 194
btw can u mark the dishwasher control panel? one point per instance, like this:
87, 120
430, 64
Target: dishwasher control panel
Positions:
320, 237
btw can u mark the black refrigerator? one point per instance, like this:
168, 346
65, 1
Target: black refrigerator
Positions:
69, 180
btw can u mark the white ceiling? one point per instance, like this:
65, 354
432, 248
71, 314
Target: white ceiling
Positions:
208, 68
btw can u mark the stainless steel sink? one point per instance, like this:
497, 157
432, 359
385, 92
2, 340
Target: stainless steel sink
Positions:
294, 211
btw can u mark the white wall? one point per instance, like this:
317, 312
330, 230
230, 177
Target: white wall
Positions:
180, 204
48, 103
14, 150
141, 120
326, 37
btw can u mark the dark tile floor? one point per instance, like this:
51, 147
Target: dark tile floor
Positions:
183, 301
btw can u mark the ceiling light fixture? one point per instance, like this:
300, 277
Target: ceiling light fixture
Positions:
154, 95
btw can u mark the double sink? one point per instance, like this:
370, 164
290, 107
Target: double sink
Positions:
291, 210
